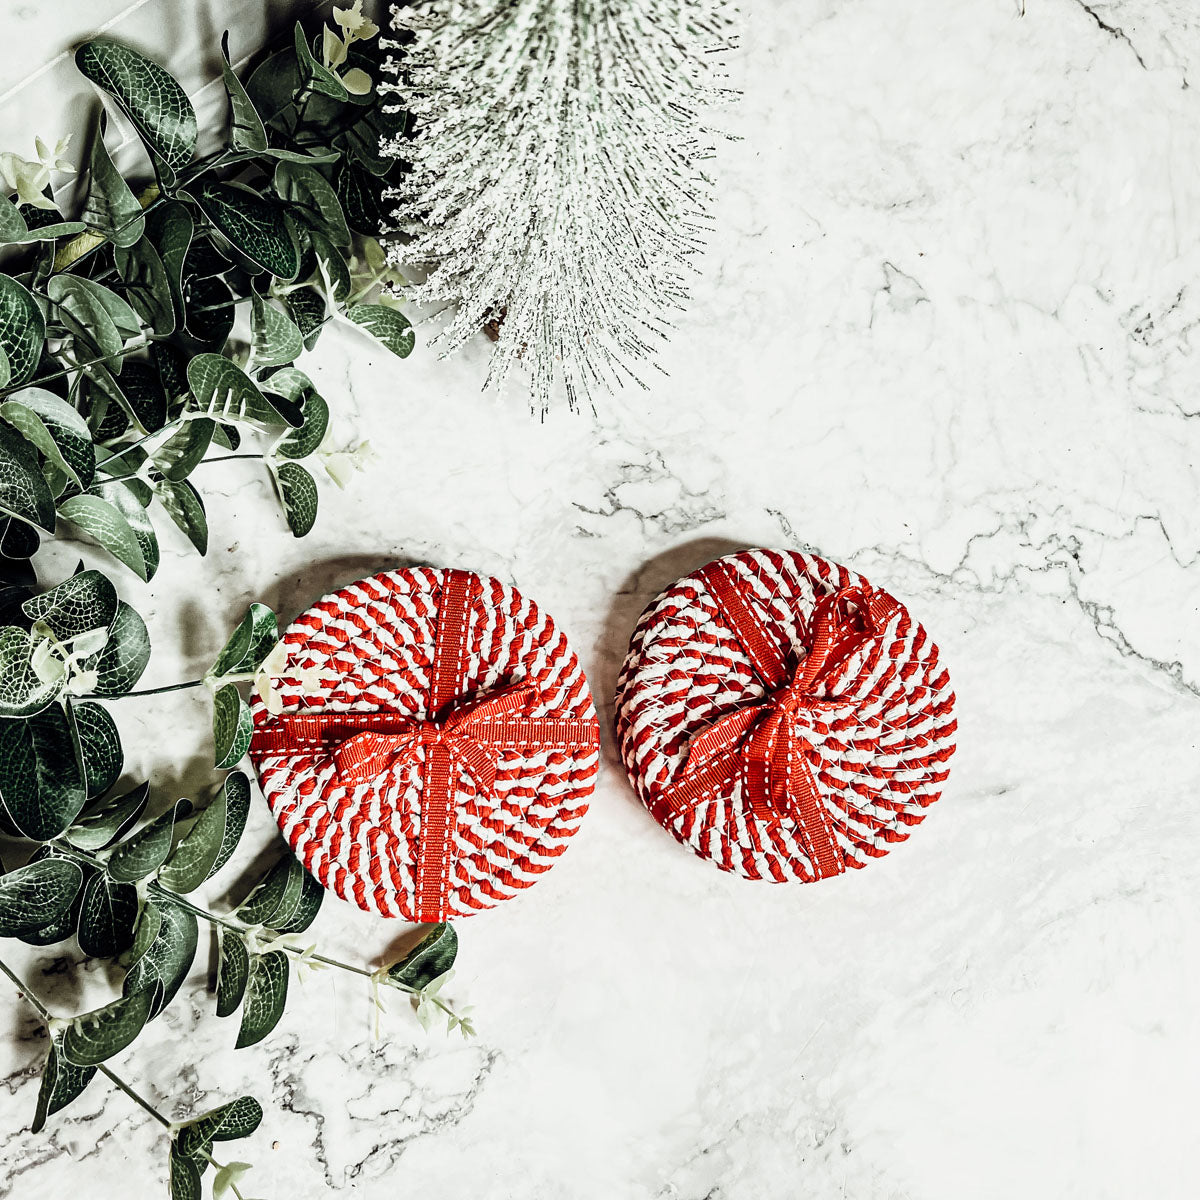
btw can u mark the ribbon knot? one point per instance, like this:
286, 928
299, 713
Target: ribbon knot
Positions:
460, 737
767, 744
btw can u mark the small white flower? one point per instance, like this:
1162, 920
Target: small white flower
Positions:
355, 26
342, 465
30, 179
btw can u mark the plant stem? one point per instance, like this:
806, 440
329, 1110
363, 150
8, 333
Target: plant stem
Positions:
90, 362
228, 458
158, 691
137, 1099
47, 1016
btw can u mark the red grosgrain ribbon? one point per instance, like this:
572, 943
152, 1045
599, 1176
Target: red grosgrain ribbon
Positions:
764, 743
467, 740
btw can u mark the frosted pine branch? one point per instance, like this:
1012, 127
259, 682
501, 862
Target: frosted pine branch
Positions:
558, 183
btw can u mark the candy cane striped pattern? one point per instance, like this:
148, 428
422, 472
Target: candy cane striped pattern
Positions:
370, 647
879, 755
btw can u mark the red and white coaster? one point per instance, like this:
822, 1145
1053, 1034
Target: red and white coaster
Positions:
782, 717
433, 744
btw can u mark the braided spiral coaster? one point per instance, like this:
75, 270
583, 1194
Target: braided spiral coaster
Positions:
782, 717
433, 743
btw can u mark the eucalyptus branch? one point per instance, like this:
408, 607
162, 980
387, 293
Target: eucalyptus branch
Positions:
31, 998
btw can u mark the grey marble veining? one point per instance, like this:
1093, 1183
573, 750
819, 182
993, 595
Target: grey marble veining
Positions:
946, 334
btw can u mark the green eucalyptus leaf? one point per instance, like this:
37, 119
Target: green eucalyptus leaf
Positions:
108, 820
84, 602
266, 995
143, 853
247, 131
308, 189
179, 456
386, 325
276, 897
222, 389
112, 209
150, 98
430, 958
169, 228
102, 521
312, 894
84, 314
22, 331
210, 311
206, 847
185, 1177
361, 194
42, 784
314, 74
24, 492
37, 894
125, 654
233, 969
100, 747
274, 339
305, 440
307, 308
232, 726
252, 225
130, 498
107, 917
22, 691
164, 964
231, 1122
56, 429
145, 394
332, 267
147, 285
12, 224
90, 299
62, 1082
96, 1036
298, 495
248, 645
184, 505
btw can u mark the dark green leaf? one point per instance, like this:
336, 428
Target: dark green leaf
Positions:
100, 746
56, 429
250, 643
83, 602
24, 491
147, 285
223, 390
62, 1082
107, 916
274, 339
41, 783
84, 313
211, 311
277, 896
233, 969
331, 267
229, 1123
179, 456
169, 227
252, 225
266, 995
232, 727
105, 523
387, 325
125, 654
37, 894
307, 907
163, 965
246, 131
307, 188
298, 494
22, 331
315, 75
305, 440
106, 822
12, 224
361, 194
112, 209
217, 830
96, 1036
307, 308
185, 1177
431, 957
149, 96
184, 505
147, 850
145, 394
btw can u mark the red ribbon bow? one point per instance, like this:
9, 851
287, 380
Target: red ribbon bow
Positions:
764, 743
465, 739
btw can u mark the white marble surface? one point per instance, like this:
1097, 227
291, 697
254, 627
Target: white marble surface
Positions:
946, 334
